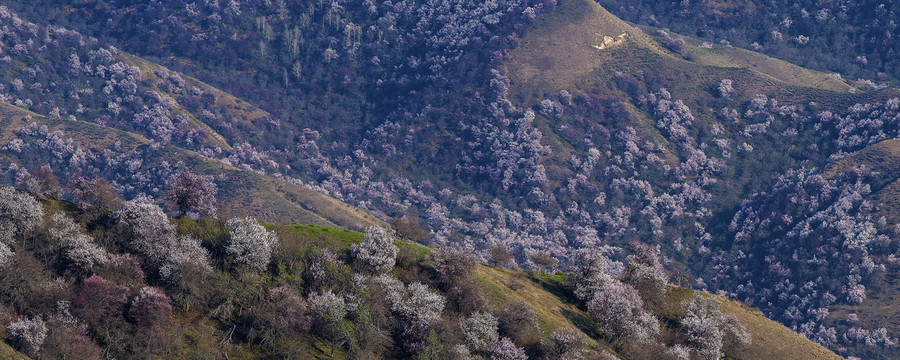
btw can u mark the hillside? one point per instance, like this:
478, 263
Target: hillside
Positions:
682, 97
849, 39
565, 51
883, 160
773, 340
242, 192
195, 318
539, 129
547, 297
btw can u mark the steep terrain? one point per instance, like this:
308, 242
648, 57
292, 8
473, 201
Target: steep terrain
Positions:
240, 193
548, 298
583, 50
541, 128
196, 320
883, 160
853, 39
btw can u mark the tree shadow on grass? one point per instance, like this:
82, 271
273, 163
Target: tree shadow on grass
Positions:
583, 323
556, 286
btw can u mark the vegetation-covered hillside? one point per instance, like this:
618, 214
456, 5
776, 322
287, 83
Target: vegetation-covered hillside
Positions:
541, 129
81, 282
80, 154
854, 38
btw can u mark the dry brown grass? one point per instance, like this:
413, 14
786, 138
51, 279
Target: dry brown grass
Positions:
554, 309
560, 51
771, 340
732, 57
504, 286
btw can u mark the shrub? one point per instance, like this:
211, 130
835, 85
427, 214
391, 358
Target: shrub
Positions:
543, 260
250, 244
190, 191
454, 265
187, 254
282, 314
480, 331
325, 270
500, 255
736, 335
455, 269
505, 349
78, 248
408, 227
644, 272
67, 338
96, 192
564, 344
707, 329
19, 214
618, 309
100, 302
726, 88
589, 275
466, 296
677, 46
151, 312
21, 280
416, 305
146, 229
124, 269
329, 313
519, 322
43, 182
28, 335
151, 308
377, 250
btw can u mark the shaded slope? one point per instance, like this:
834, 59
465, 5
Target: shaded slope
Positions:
882, 306
883, 159
731, 57
567, 49
241, 192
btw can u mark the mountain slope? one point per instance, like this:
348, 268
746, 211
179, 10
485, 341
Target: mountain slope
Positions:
537, 129
563, 47
742, 123
725, 56
547, 298
311, 262
241, 192
564, 50
852, 39
880, 310
883, 160
772, 340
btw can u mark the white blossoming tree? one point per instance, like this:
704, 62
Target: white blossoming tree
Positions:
377, 250
251, 244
